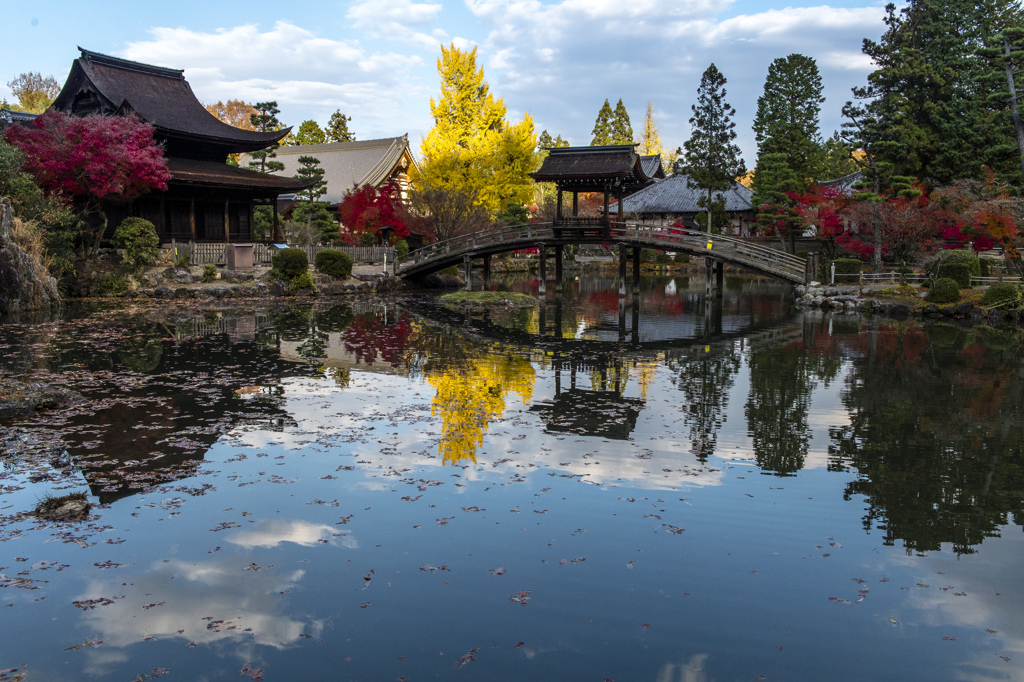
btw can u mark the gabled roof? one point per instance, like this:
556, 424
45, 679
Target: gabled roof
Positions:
652, 166
594, 169
9, 117
845, 184
157, 95
350, 164
675, 195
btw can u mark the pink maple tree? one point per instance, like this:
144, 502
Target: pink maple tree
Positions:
92, 160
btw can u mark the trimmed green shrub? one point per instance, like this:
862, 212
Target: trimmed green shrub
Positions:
958, 272
112, 283
182, 261
662, 258
682, 258
647, 255
334, 262
367, 239
288, 264
209, 272
931, 266
401, 248
139, 240
944, 290
1002, 295
847, 266
303, 281
986, 267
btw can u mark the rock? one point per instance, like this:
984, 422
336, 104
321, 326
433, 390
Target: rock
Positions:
278, 288
964, 308
221, 292
261, 289
976, 316
996, 317
801, 290
179, 275
21, 400
182, 292
163, 292
932, 309
152, 280
73, 507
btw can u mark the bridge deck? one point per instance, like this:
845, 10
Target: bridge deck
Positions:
731, 250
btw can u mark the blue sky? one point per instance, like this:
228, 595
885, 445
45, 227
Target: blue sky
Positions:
376, 59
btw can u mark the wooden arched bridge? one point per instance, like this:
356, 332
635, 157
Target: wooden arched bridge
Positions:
718, 248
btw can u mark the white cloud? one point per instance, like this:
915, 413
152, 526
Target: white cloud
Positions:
395, 19
308, 75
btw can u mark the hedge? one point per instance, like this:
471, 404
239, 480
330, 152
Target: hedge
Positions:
944, 290
290, 263
334, 262
958, 272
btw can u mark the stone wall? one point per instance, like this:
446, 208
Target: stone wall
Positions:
24, 284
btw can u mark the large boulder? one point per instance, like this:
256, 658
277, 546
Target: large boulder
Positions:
24, 283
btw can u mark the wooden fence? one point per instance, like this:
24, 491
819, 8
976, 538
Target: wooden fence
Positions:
201, 253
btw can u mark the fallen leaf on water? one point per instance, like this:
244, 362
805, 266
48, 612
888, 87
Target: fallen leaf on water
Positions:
466, 658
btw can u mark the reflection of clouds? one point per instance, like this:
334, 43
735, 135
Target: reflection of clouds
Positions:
193, 596
988, 578
691, 671
271, 533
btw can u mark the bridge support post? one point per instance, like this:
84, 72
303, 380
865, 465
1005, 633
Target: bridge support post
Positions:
542, 253
719, 276
622, 270
487, 271
636, 269
558, 267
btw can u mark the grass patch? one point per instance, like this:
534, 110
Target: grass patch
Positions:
489, 299
73, 507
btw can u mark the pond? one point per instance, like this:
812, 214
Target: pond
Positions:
668, 489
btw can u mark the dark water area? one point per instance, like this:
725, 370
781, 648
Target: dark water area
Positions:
666, 489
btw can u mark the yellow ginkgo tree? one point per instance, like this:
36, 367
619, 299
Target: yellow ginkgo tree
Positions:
472, 150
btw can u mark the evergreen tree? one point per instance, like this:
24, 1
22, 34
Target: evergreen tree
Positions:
774, 182
603, 131
787, 113
650, 142
265, 120
471, 149
545, 141
337, 128
711, 157
310, 132
836, 160
310, 169
622, 129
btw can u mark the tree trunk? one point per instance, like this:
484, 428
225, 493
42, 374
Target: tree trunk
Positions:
99, 233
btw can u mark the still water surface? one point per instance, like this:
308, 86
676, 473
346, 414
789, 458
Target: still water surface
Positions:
391, 489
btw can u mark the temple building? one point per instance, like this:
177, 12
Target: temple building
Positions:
674, 199
206, 199
351, 165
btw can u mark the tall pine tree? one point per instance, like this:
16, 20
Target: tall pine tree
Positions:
622, 129
711, 157
603, 131
264, 119
337, 128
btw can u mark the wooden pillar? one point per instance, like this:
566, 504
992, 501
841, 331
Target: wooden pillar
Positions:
487, 271
636, 269
558, 267
622, 271
274, 236
543, 263
163, 218
558, 208
607, 218
252, 221
467, 265
192, 218
575, 204
227, 224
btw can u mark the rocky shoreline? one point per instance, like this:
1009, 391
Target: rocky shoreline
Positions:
850, 299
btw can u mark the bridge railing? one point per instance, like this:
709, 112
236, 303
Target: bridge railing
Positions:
667, 238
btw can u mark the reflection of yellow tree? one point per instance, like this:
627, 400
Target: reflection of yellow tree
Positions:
615, 377
470, 396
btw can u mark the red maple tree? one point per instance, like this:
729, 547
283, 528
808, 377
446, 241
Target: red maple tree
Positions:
367, 210
92, 160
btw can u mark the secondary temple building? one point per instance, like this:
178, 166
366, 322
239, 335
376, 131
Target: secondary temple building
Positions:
206, 199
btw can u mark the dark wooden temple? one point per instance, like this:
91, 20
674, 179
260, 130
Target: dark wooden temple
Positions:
614, 171
206, 199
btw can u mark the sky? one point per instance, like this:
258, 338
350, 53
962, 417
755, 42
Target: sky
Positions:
376, 60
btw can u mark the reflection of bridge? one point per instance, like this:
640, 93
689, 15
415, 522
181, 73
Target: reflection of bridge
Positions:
720, 248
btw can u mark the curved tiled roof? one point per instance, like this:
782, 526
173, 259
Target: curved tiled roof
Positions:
594, 169
348, 164
221, 175
675, 195
159, 96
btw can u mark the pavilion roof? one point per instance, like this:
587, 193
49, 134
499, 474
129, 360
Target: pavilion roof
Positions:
594, 169
157, 95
